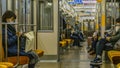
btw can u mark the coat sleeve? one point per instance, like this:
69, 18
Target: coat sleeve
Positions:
116, 37
11, 38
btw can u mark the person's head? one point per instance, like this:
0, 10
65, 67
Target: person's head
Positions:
95, 34
117, 24
8, 16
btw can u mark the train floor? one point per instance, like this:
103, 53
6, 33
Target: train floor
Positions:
74, 57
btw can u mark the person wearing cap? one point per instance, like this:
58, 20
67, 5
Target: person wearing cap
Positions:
101, 44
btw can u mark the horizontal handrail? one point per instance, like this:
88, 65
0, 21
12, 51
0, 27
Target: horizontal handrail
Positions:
116, 25
27, 25
9, 23
18, 24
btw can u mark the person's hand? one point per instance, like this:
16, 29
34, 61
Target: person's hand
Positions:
108, 38
18, 34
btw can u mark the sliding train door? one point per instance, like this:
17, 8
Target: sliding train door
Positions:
47, 27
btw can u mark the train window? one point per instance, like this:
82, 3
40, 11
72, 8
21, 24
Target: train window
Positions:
92, 25
45, 15
3, 7
13, 5
0, 9
110, 14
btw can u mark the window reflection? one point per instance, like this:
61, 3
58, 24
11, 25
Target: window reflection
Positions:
45, 20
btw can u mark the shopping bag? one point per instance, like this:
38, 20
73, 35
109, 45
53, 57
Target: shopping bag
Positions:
30, 41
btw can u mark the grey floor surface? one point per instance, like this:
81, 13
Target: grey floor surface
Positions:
75, 57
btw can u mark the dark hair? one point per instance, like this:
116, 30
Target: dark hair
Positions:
118, 20
8, 14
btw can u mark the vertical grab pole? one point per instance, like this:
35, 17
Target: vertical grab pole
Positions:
6, 51
36, 14
103, 18
112, 16
1, 31
18, 45
35, 37
18, 54
97, 16
18, 10
115, 12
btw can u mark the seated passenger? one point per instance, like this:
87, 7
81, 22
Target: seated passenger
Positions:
101, 44
77, 37
94, 42
12, 41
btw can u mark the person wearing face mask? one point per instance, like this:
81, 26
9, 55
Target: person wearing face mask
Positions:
12, 38
101, 45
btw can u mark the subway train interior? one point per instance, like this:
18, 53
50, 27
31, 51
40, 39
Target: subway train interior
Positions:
59, 33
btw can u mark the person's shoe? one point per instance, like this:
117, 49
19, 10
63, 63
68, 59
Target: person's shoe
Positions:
96, 61
31, 65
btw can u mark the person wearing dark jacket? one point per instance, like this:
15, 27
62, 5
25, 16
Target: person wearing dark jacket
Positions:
12, 38
101, 44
